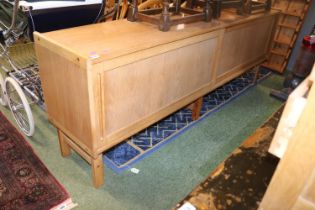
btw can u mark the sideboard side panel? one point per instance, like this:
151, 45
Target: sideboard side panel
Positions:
65, 90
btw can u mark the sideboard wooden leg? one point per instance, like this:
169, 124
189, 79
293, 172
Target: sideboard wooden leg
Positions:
257, 71
98, 171
65, 149
197, 108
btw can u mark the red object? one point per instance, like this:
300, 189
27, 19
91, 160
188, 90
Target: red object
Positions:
25, 182
306, 58
309, 42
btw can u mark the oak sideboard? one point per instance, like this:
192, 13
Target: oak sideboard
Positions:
105, 82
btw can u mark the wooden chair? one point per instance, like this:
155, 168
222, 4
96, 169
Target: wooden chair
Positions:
211, 9
166, 20
256, 6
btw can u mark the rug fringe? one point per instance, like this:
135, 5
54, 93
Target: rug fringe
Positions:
66, 205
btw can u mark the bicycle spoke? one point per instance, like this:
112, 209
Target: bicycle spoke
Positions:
22, 120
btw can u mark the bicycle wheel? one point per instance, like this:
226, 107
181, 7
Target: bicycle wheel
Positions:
3, 100
19, 106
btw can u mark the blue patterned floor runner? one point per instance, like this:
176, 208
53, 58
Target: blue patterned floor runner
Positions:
122, 156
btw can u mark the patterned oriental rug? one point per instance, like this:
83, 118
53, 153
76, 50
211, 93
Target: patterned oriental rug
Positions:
134, 149
25, 182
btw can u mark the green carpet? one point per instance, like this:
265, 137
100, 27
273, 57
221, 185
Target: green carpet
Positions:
170, 173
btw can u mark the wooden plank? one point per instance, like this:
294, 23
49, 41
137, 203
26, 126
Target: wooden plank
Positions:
153, 51
273, 66
97, 123
288, 26
289, 22
65, 52
286, 35
278, 52
102, 40
283, 41
297, 7
78, 149
61, 79
65, 149
292, 14
309, 189
98, 171
297, 165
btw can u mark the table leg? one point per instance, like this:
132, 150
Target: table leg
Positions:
268, 5
133, 11
65, 149
98, 171
208, 11
257, 69
197, 108
216, 8
190, 4
165, 19
177, 7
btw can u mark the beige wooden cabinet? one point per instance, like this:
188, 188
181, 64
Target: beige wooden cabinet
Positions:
105, 82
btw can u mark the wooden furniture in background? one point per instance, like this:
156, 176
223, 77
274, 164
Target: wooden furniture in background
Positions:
293, 184
105, 82
149, 4
194, 10
167, 16
219, 5
253, 6
241, 6
289, 25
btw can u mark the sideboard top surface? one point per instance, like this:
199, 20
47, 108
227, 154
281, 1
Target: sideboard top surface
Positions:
106, 41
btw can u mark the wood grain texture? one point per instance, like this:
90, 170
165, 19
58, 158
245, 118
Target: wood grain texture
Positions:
98, 171
138, 90
102, 38
243, 44
66, 94
65, 149
309, 189
134, 75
